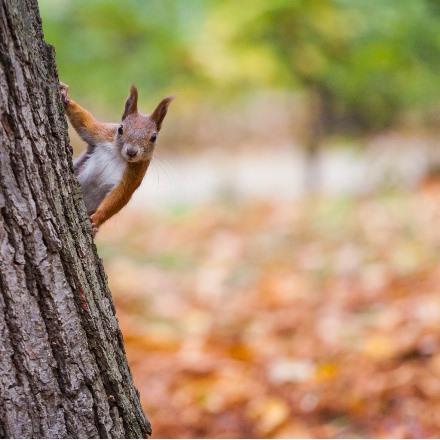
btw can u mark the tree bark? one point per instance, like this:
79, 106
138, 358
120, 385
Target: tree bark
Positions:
63, 368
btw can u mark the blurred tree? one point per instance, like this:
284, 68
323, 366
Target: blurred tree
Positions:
362, 63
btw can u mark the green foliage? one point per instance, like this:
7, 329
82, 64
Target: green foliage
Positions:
104, 45
369, 59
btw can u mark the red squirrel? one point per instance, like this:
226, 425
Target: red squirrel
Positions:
117, 155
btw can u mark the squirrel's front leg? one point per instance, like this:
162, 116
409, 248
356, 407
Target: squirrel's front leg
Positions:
120, 195
112, 203
84, 123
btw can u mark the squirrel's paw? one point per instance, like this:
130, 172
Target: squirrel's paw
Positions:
64, 91
94, 226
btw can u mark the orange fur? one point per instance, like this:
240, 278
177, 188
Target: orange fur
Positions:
87, 126
119, 196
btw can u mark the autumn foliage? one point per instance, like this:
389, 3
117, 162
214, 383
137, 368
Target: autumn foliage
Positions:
317, 318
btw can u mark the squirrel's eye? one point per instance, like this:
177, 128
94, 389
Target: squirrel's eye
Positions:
153, 138
120, 129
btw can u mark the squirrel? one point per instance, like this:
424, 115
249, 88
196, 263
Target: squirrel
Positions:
117, 155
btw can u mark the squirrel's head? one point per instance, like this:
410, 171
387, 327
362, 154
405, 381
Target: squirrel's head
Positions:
137, 134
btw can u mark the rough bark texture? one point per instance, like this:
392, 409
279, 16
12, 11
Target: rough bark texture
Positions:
63, 369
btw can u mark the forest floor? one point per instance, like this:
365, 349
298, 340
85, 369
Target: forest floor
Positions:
317, 318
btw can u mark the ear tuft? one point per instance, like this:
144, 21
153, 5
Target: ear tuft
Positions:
131, 103
160, 111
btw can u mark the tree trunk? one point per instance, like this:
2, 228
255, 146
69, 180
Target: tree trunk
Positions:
63, 369
313, 142
320, 122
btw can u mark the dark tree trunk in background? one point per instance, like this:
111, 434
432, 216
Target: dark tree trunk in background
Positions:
320, 114
63, 369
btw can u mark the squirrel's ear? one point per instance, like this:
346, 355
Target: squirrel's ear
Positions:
131, 103
160, 111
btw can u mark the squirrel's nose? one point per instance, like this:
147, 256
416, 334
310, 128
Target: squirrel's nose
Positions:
131, 152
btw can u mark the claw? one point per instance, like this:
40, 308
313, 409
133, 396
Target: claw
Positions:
64, 91
94, 226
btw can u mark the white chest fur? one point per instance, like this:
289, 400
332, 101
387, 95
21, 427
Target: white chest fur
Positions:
101, 172
105, 166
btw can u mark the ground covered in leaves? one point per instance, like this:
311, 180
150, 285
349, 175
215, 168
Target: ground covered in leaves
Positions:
317, 318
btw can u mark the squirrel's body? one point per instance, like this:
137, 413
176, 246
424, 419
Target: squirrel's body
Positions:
117, 155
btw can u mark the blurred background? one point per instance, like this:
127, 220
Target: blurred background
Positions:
277, 274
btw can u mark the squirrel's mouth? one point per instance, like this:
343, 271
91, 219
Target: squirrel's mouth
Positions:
132, 159
130, 153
